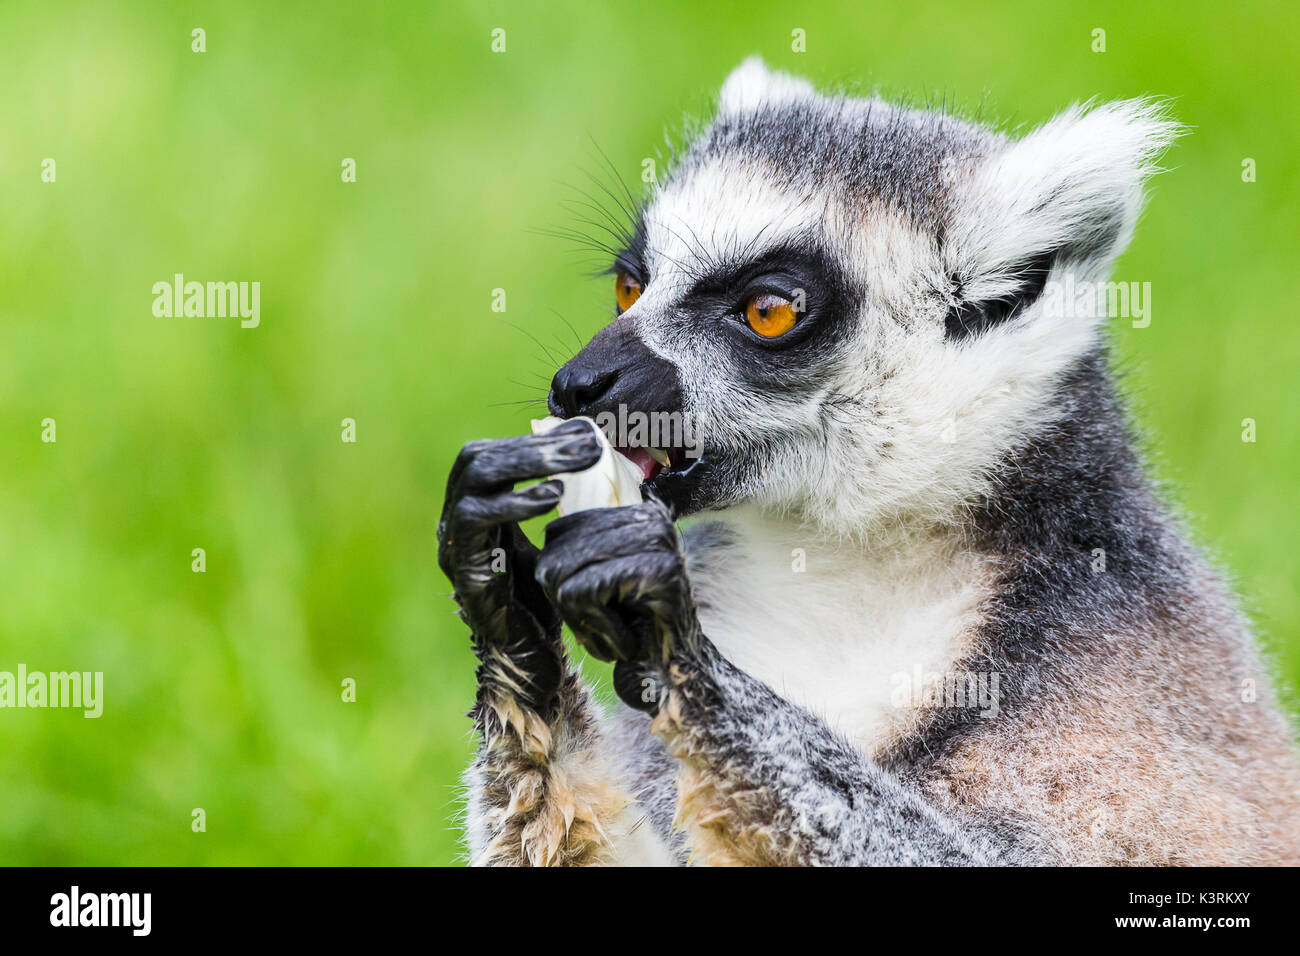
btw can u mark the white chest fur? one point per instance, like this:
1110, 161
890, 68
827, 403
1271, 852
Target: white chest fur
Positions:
840, 629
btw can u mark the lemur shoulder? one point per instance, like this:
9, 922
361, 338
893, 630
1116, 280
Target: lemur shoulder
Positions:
851, 297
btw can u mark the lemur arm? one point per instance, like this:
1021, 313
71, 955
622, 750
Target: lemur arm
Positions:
542, 790
762, 781
548, 793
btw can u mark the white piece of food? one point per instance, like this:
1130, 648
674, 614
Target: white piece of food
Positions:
613, 481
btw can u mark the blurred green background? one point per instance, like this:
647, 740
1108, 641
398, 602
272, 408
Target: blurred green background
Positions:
223, 688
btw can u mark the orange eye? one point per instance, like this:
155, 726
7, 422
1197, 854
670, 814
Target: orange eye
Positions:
626, 290
770, 315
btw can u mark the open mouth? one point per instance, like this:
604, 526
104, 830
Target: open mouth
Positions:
676, 477
679, 480
652, 461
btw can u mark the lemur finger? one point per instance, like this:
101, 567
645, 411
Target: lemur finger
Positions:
466, 537
647, 520
636, 686
493, 466
476, 511
581, 599
610, 604
607, 643
496, 464
578, 540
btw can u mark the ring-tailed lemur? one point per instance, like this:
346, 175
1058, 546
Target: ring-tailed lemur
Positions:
919, 467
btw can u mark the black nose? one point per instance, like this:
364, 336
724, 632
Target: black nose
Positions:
615, 371
576, 389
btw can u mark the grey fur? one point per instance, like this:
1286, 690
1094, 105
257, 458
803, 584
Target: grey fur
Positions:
1122, 734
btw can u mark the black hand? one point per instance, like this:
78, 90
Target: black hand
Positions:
618, 578
491, 562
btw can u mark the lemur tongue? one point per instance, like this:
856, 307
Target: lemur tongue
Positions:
642, 458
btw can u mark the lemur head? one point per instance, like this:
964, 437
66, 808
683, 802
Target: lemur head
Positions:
849, 298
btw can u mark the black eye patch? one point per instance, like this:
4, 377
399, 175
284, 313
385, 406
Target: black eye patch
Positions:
805, 275
967, 319
785, 270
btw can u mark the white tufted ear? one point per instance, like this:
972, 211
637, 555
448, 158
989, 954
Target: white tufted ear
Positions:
752, 85
1073, 186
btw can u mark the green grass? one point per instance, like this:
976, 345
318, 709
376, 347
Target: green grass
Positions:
223, 688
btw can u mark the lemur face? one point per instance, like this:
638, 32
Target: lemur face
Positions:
845, 297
